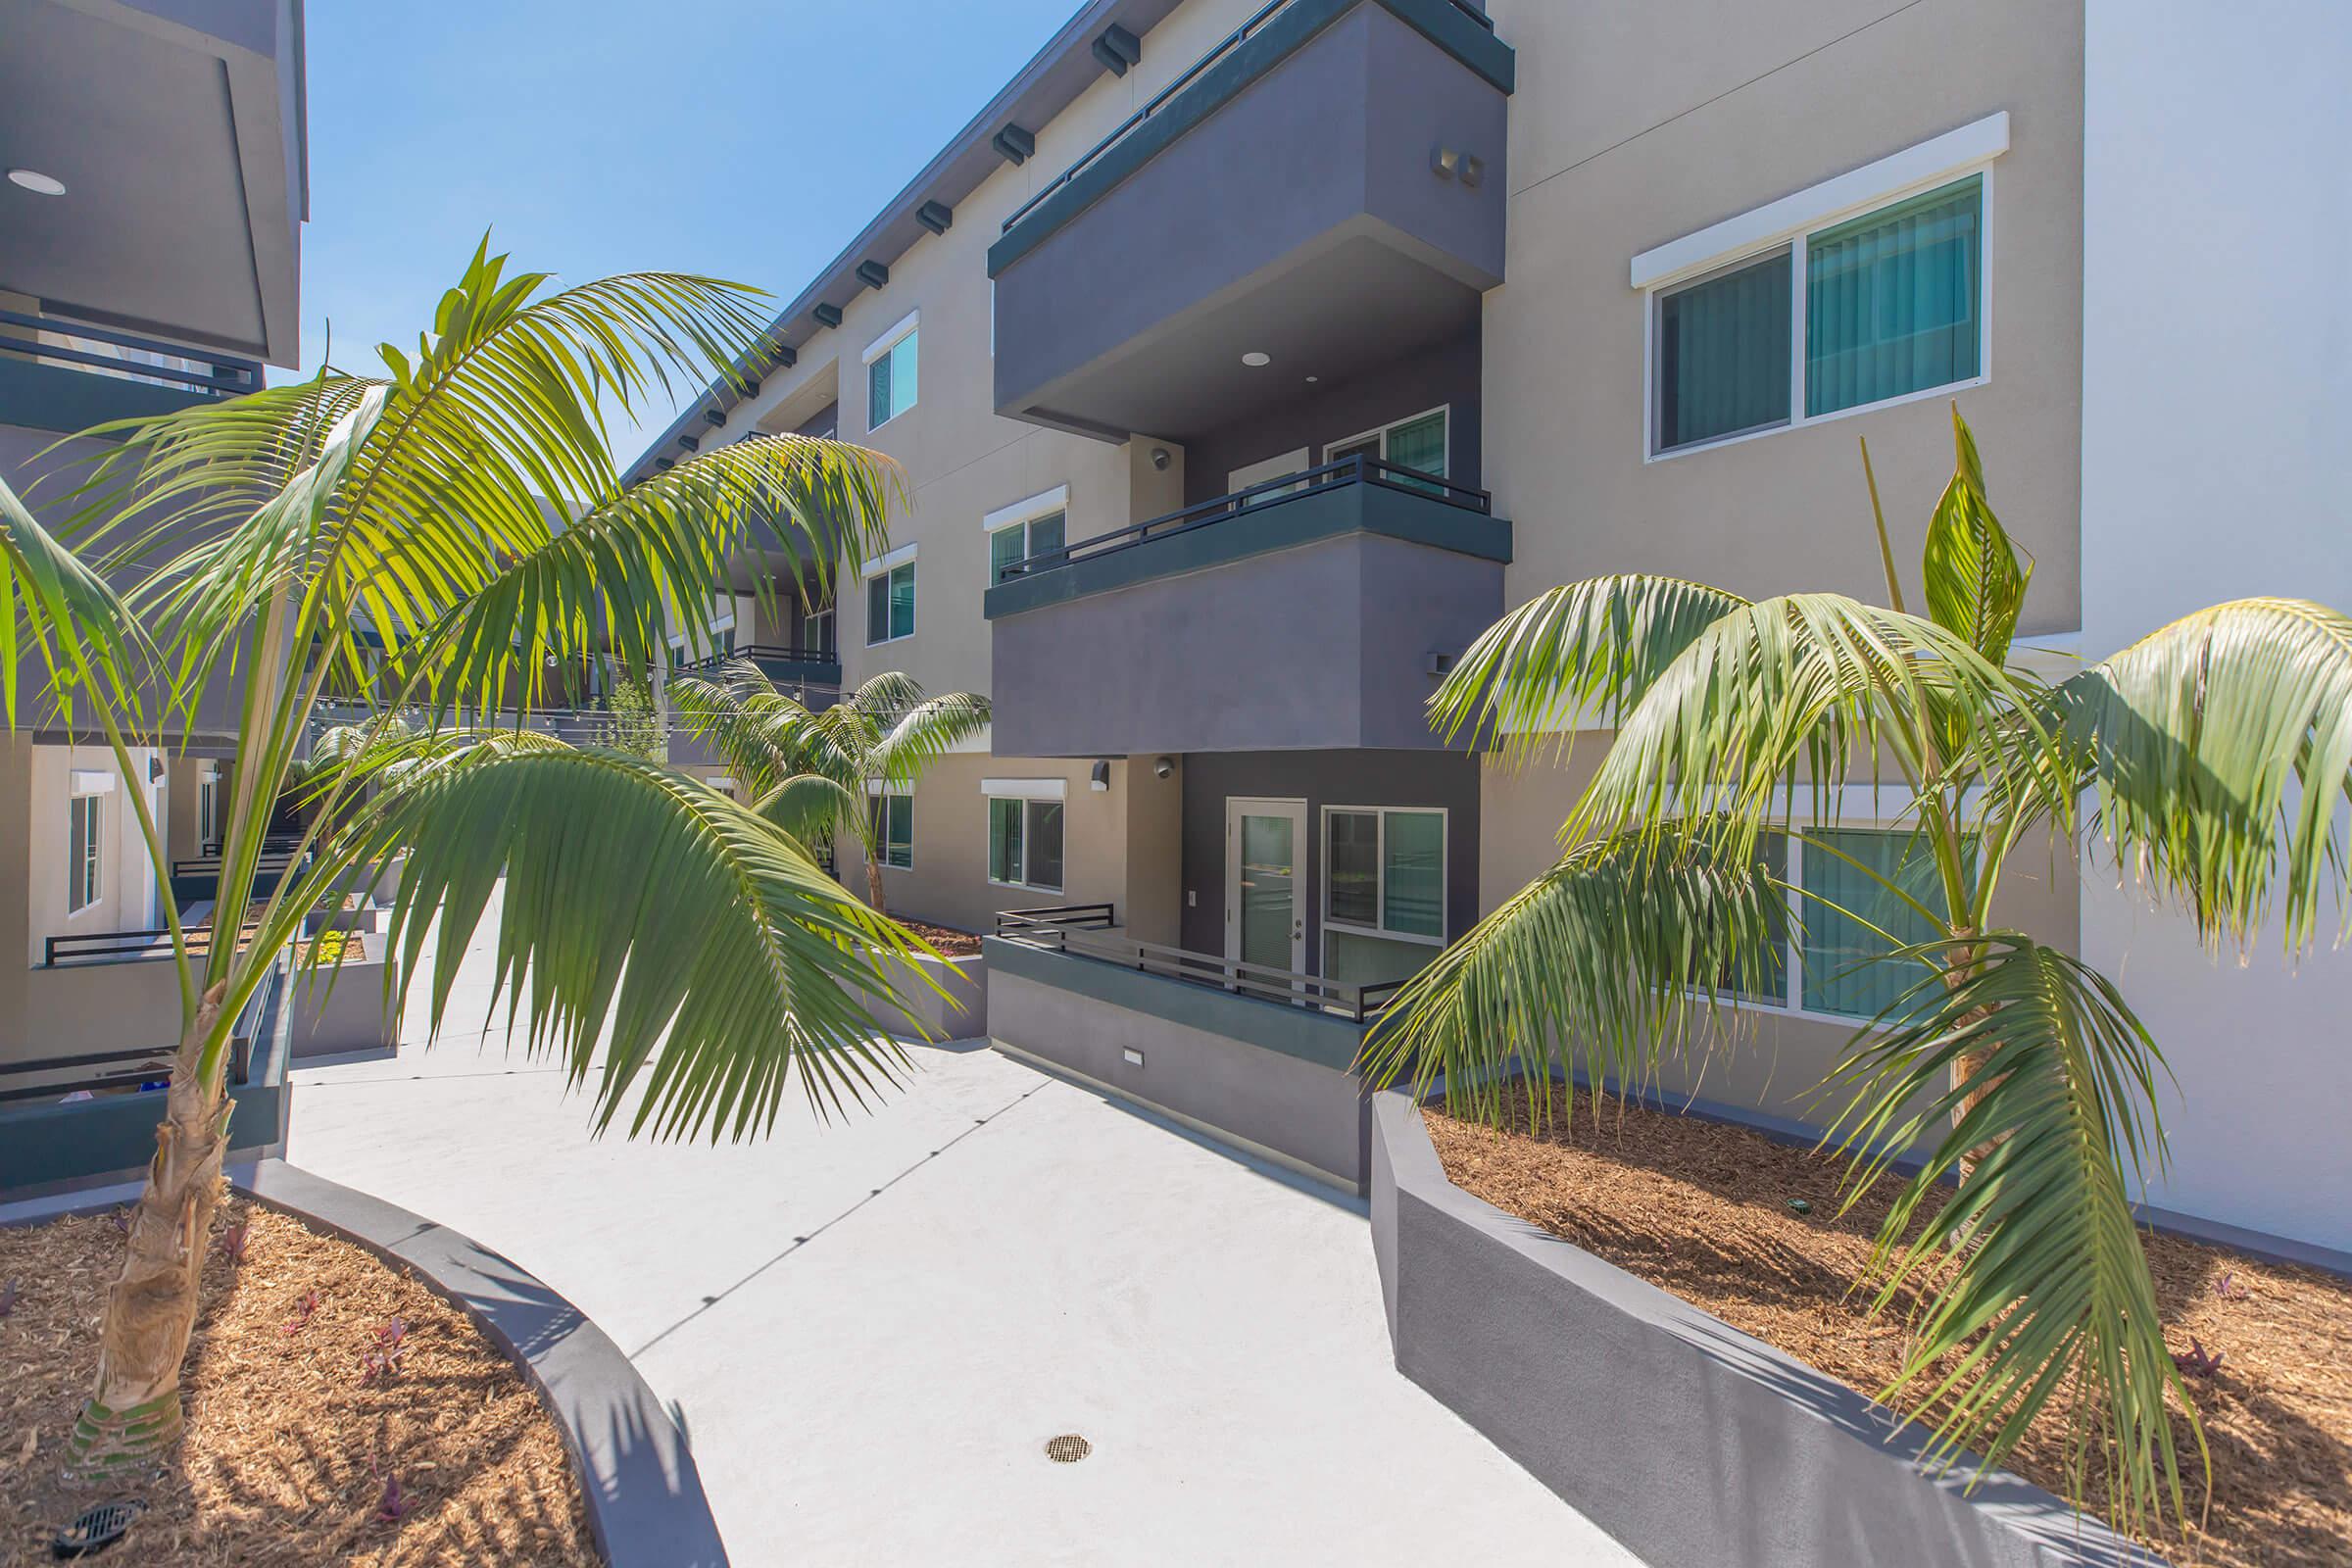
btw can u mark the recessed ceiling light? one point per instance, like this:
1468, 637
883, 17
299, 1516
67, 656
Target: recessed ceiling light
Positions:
1256, 358
1312, 380
40, 184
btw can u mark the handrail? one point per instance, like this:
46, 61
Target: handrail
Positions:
87, 947
244, 375
1014, 922
1357, 469
1358, 1004
1217, 52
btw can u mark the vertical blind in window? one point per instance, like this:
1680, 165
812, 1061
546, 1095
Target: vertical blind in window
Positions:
1010, 547
1722, 353
1412, 883
890, 382
1834, 943
1892, 300
1004, 841
1355, 869
894, 829
890, 604
1420, 444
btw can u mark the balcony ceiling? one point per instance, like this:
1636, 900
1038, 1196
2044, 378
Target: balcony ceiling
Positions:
1343, 308
176, 127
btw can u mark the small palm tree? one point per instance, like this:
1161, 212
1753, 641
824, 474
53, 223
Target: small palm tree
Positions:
814, 774
287, 534
2219, 751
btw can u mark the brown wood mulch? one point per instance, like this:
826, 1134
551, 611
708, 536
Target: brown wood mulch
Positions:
951, 943
1701, 1210
293, 1442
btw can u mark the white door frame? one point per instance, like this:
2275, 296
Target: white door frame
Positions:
1238, 806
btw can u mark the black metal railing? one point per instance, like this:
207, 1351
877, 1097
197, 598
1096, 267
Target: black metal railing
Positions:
225, 375
1192, 73
1073, 931
270, 860
113, 947
126, 1069
1357, 468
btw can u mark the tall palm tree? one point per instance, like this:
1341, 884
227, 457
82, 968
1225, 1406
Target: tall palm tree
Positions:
2219, 754
285, 535
815, 774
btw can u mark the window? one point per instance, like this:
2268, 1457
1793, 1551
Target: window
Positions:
1418, 443
893, 828
85, 824
1384, 875
1024, 842
1821, 962
1855, 313
816, 632
208, 807
1037, 526
890, 376
890, 602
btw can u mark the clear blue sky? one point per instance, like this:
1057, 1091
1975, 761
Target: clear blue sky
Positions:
751, 141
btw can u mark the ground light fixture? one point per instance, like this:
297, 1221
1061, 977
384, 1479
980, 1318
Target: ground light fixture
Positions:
1256, 358
40, 184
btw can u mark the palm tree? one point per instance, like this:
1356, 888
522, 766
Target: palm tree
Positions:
403, 510
814, 774
2218, 752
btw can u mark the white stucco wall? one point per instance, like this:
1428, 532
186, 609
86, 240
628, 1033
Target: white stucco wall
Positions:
2216, 455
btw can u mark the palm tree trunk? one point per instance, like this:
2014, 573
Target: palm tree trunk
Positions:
873, 879
134, 1412
1967, 1067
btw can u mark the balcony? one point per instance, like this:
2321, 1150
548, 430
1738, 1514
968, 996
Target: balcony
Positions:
815, 672
1314, 611
1325, 188
61, 375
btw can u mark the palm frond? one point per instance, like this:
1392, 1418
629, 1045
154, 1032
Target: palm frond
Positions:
927, 732
1570, 659
1617, 954
2035, 1281
1976, 584
85, 634
809, 806
2220, 749
728, 965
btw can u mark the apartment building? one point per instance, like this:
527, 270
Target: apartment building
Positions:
1246, 359
150, 259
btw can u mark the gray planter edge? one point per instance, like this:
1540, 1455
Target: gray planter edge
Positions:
1685, 1438
646, 1504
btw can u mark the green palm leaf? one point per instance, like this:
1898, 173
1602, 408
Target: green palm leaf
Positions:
2217, 741
1976, 584
2037, 1288
728, 965
1614, 956
1570, 658
85, 636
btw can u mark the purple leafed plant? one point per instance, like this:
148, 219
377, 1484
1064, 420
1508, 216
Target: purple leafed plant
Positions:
8, 1297
2196, 1362
232, 1241
2228, 1290
385, 1360
393, 1504
302, 1310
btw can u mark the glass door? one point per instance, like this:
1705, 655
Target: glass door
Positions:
1266, 877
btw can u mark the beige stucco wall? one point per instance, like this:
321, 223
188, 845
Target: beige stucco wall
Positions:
1768, 1061
1634, 126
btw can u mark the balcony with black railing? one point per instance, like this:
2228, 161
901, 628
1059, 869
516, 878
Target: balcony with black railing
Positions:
60, 373
1315, 611
1322, 192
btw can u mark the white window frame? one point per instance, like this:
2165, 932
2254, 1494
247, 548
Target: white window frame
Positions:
814, 643
208, 804
1380, 886
1789, 225
85, 883
1382, 432
899, 332
1029, 794
882, 565
1020, 514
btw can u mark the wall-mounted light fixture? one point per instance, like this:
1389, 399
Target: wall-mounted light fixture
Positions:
1474, 171
1163, 766
1101, 777
1443, 161
1159, 459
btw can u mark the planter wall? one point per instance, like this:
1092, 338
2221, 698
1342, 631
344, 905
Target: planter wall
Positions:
1686, 1440
347, 1015
961, 1014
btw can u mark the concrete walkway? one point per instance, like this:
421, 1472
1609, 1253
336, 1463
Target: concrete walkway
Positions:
870, 1329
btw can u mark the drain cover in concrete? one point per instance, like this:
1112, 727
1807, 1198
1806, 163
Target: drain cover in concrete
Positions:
1068, 1449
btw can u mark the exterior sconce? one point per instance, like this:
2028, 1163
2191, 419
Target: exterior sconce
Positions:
1101, 778
1442, 161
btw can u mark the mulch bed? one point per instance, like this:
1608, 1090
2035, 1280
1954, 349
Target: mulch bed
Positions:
293, 1442
1701, 1210
951, 943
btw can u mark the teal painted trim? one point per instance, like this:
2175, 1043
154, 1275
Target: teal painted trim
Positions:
42, 1145
1279, 524
1438, 20
817, 672
53, 397
1315, 1038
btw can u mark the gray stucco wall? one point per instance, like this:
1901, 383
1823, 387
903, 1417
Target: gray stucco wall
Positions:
1272, 1077
1324, 645
1336, 132
1685, 1438
1443, 375
1322, 778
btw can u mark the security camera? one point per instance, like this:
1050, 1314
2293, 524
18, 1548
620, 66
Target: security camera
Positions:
1160, 457
1163, 767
